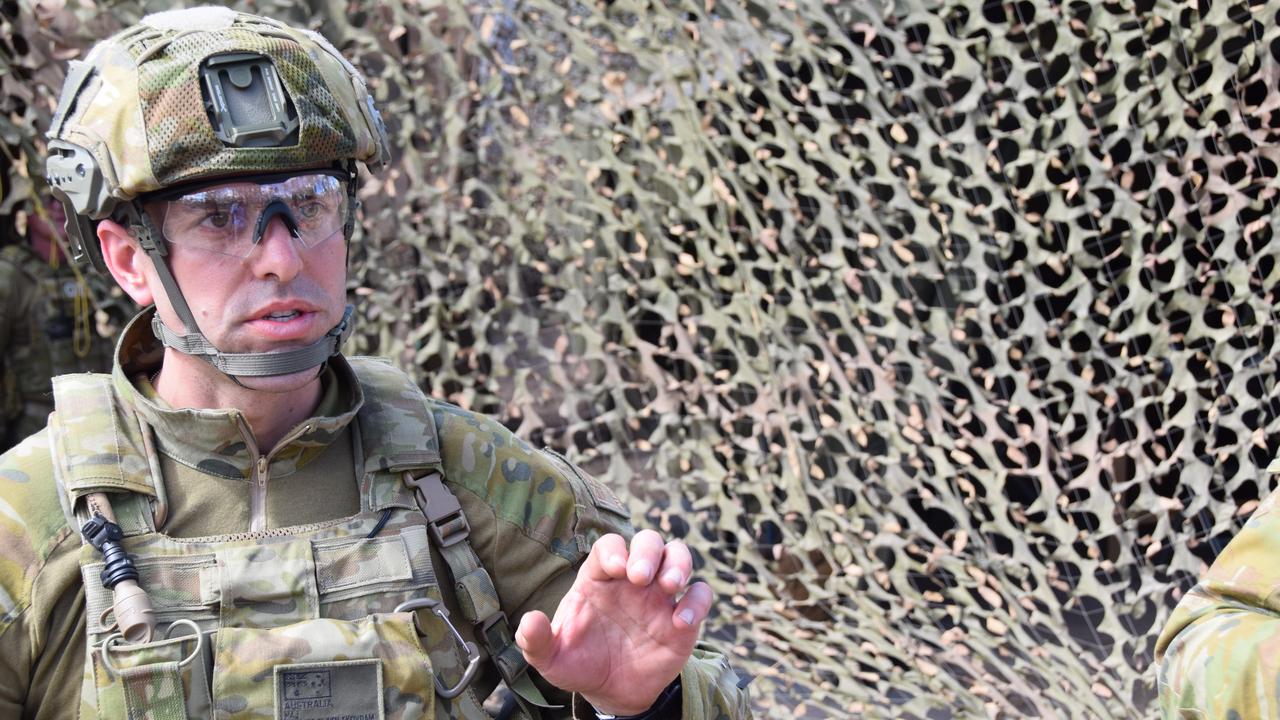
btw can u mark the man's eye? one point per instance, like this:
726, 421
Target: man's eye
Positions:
222, 216
311, 209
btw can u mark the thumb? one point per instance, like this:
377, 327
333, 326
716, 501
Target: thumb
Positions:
535, 639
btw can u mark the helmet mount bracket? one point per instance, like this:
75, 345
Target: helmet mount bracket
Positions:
246, 102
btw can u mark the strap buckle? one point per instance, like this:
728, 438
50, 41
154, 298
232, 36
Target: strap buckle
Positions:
503, 650
443, 512
498, 639
473, 653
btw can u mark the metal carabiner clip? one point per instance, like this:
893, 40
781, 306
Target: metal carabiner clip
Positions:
473, 653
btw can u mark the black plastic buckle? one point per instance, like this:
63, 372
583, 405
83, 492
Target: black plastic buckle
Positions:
496, 640
496, 632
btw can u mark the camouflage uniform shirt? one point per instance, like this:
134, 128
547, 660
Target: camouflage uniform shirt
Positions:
1219, 654
38, 338
530, 525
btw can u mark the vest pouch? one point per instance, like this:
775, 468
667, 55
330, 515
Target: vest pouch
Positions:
324, 669
166, 678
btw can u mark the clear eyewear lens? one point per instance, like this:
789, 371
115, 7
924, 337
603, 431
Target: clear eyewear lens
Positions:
224, 218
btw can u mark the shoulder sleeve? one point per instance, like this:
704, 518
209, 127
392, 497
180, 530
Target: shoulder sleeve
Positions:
537, 493
597, 510
1219, 653
711, 688
31, 520
31, 527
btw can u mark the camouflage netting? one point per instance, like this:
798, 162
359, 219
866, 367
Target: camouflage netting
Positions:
942, 331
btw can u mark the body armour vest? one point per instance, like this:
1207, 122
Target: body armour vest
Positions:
340, 620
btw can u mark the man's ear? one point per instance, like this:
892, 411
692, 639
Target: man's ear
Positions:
126, 260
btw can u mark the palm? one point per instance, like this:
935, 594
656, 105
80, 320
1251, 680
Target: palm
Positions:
613, 635
620, 635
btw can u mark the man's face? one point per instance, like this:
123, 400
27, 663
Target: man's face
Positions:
43, 234
251, 284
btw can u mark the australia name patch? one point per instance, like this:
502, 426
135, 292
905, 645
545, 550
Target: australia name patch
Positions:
340, 690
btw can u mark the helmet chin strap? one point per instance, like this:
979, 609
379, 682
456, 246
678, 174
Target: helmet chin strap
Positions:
195, 344
266, 364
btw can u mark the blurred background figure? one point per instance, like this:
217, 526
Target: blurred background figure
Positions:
48, 323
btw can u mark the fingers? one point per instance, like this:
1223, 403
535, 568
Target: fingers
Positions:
608, 559
535, 639
693, 607
646, 557
677, 566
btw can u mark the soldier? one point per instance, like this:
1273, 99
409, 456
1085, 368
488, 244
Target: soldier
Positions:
46, 326
1217, 654
241, 522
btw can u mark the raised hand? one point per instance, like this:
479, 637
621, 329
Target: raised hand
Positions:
625, 628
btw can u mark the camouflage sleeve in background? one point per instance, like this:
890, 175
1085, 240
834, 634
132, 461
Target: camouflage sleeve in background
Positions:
10, 405
1219, 654
8, 281
711, 688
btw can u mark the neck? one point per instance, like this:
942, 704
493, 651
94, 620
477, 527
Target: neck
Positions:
271, 406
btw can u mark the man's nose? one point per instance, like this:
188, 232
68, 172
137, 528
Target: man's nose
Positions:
278, 253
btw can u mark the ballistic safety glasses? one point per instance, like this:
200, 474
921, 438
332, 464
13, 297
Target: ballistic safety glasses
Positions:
230, 218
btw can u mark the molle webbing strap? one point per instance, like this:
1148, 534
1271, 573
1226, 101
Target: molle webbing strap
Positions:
133, 514
397, 434
477, 596
154, 691
399, 438
192, 582
97, 446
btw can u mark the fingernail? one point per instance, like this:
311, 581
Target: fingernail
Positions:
686, 616
674, 577
645, 569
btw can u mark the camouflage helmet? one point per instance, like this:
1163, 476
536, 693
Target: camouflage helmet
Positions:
191, 95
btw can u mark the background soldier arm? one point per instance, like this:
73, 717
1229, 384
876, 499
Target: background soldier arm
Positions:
10, 405
1219, 654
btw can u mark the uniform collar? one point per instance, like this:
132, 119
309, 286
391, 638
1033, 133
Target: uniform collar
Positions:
218, 442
